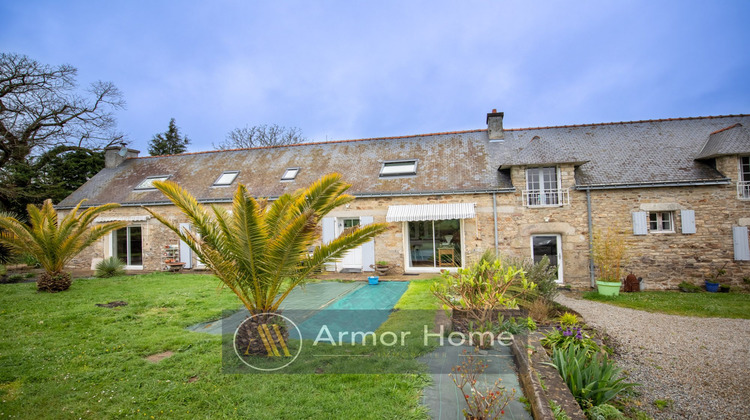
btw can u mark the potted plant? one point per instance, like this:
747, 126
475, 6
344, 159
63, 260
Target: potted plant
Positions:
608, 252
712, 282
381, 267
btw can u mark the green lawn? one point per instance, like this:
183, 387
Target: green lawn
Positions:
63, 357
706, 305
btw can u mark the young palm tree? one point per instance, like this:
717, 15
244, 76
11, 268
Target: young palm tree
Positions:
55, 242
261, 249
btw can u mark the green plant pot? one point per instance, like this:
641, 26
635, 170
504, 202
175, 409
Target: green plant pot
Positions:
608, 288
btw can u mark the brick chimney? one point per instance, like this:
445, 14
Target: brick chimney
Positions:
115, 155
495, 125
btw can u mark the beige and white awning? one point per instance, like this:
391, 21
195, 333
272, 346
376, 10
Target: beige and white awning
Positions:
419, 212
105, 219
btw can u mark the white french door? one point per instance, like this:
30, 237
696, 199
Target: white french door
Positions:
550, 246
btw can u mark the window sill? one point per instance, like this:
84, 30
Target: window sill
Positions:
133, 267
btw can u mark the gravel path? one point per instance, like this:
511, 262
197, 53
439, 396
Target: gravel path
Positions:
702, 364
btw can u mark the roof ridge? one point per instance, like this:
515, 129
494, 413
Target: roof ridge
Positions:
726, 128
629, 122
450, 132
318, 143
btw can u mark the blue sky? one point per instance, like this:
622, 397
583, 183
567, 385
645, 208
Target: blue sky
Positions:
347, 70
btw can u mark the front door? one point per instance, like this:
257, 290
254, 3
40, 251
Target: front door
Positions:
353, 258
551, 246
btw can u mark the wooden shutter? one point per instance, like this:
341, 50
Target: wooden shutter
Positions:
368, 248
640, 223
741, 248
688, 221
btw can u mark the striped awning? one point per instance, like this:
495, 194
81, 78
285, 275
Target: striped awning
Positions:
418, 212
105, 219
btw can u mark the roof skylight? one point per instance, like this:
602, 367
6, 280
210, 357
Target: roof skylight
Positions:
148, 183
290, 174
399, 168
226, 178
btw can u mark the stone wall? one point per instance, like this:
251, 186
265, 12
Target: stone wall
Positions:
662, 259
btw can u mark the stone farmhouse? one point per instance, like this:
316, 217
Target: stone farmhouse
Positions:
679, 189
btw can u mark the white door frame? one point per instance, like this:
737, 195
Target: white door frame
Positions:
559, 252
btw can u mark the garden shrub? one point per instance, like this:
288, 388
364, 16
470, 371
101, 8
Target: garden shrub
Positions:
567, 319
109, 267
481, 289
604, 412
593, 380
570, 336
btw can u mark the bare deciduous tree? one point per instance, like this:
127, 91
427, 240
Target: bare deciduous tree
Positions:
41, 108
261, 136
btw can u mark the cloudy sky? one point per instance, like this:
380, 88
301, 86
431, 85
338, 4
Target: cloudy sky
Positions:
352, 69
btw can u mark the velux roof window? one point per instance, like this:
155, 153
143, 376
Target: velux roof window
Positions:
399, 168
290, 174
148, 183
226, 178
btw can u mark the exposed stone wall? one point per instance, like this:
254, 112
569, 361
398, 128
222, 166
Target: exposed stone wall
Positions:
662, 259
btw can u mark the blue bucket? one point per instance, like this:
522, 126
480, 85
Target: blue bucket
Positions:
373, 280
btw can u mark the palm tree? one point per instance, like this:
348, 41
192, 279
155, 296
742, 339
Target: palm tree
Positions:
261, 250
55, 242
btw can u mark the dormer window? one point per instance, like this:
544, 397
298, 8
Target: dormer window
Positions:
543, 188
290, 174
148, 183
226, 178
398, 168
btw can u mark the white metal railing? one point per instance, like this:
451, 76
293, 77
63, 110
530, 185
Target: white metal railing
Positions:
546, 198
743, 190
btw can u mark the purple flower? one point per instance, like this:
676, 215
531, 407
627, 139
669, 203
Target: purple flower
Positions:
567, 333
579, 336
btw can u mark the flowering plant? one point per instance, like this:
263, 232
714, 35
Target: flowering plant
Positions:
482, 403
563, 337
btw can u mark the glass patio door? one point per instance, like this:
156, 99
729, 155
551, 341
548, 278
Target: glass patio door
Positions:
435, 243
550, 246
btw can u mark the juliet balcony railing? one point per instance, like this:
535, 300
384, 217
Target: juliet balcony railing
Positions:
546, 198
743, 190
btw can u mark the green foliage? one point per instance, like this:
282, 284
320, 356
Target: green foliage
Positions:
168, 143
3, 270
688, 287
31, 261
570, 336
260, 250
514, 327
592, 380
604, 412
663, 404
109, 267
53, 241
481, 289
14, 278
558, 411
541, 274
567, 319
608, 253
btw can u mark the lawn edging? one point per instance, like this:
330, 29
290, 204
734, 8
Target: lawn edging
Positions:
532, 371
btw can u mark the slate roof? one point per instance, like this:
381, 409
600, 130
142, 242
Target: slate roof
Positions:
732, 140
610, 154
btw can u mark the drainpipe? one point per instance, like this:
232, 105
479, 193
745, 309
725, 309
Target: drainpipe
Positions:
591, 238
494, 214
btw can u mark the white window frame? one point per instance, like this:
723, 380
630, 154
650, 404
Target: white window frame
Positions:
390, 169
147, 184
743, 179
539, 197
231, 175
127, 252
660, 222
407, 250
290, 174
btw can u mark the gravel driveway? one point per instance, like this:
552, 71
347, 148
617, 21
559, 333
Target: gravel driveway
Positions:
702, 364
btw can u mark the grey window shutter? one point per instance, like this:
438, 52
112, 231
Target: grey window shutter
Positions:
640, 223
688, 221
741, 248
329, 229
186, 254
329, 234
368, 248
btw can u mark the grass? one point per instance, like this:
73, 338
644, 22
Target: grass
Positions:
63, 357
705, 305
